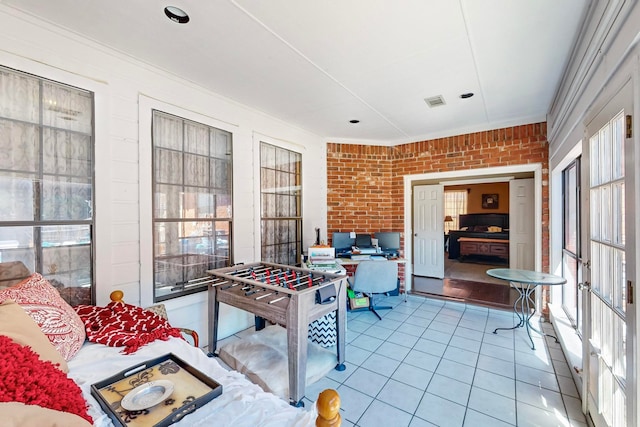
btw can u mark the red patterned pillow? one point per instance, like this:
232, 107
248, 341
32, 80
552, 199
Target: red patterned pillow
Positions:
27, 379
54, 316
123, 325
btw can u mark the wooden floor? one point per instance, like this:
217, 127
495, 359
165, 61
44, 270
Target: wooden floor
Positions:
480, 293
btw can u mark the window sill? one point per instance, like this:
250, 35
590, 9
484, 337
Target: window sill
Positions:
570, 342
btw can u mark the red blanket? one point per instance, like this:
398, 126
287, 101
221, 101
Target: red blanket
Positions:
123, 325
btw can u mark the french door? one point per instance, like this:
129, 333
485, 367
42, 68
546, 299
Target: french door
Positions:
608, 329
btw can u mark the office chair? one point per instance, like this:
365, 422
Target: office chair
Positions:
375, 277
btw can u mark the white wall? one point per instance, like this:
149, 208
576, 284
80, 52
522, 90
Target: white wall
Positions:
125, 90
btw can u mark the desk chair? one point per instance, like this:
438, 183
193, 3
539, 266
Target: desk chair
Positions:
375, 277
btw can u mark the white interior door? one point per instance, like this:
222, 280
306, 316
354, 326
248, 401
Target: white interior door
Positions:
428, 231
522, 250
609, 324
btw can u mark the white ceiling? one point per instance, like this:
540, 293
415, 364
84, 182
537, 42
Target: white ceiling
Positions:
318, 64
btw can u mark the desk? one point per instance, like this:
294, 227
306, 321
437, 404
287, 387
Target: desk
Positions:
349, 261
529, 281
284, 295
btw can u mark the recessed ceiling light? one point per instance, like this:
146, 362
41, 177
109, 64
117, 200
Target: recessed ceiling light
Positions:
466, 95
176, 14
354, 121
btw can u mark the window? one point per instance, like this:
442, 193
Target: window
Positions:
47, 182
571, 297
455, 204
192, 204
281, 204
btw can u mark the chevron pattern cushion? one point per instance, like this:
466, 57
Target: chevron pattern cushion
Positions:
323, 331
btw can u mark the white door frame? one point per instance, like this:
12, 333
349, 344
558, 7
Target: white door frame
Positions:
436, 177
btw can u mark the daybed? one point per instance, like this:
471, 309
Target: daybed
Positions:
478, 225
41, 340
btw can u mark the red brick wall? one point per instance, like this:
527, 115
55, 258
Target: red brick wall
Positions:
365, 190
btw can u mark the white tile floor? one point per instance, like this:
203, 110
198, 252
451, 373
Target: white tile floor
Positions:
435, 363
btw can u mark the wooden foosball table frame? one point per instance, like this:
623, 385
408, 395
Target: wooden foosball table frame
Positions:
287, 296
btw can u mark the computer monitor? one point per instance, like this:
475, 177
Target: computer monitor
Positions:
363, 240
388, 240
342, 241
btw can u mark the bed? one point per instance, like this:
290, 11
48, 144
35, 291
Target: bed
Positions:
242, 403
47, 369
478, 226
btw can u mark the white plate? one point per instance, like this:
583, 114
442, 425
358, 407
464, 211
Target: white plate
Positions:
147, 395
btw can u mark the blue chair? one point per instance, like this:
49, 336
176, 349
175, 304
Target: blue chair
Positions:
375, 277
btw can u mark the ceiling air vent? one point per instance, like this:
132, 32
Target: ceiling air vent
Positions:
435, 101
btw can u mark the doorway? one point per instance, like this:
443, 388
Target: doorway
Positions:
487, 175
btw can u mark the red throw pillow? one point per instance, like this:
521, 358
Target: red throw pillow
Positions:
123, 325
27, 379
54, 316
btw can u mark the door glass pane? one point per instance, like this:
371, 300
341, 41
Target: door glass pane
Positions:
617, 130
618, 215
618, 278
595, 266
595, 216
605, 213
605, 155
594, 160
605, 272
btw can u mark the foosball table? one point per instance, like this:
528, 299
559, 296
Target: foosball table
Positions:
289, 296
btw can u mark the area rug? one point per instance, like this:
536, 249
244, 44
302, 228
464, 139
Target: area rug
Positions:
475, 272
263, 358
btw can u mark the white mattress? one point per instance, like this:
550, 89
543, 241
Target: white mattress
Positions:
242, 403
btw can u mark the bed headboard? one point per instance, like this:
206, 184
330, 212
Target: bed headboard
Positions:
498, 220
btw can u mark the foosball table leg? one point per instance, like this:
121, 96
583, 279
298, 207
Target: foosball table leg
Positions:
260, 323
298, 404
